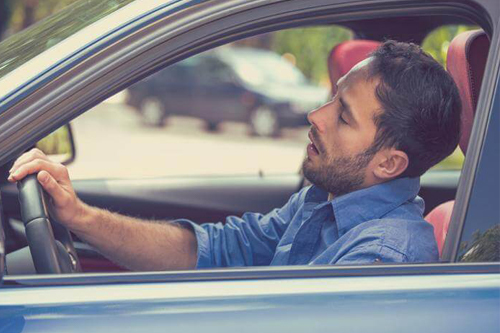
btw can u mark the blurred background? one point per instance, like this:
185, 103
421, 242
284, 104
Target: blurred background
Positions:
245, 102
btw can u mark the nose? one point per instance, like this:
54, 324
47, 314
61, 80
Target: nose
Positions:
314, 117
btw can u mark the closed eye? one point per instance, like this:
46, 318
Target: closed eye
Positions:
342, 120
342, 111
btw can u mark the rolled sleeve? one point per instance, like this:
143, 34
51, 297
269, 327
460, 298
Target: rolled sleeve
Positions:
250, 240
203, 244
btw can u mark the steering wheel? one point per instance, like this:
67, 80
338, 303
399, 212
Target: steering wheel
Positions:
50, 242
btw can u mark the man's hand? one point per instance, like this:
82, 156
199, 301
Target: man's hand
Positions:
54, 178
133, 243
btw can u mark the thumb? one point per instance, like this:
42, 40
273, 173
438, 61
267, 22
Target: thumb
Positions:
52, 187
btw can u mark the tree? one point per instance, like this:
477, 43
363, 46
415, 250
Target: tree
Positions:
438, 41
310, 48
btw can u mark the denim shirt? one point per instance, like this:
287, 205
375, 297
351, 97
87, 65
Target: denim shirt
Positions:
382, 223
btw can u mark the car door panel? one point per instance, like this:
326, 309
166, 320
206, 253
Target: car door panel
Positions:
449, 303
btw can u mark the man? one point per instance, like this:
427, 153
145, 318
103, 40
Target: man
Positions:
395, 115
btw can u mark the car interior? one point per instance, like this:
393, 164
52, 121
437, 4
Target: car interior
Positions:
207, 199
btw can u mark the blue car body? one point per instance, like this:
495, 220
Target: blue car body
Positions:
58, 84
408, 303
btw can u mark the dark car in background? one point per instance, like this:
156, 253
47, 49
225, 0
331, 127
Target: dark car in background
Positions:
241, 84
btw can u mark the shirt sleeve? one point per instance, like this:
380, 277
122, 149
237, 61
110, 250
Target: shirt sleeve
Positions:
249, 240
371, 252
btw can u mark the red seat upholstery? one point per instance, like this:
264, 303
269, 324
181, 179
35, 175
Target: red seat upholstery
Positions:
345, 55
440, 218
466, 61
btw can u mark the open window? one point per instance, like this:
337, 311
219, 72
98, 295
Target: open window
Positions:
227, 142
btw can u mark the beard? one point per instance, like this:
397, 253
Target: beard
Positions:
338, 175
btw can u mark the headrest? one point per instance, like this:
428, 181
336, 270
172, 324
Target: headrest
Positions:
466, 61
347, 54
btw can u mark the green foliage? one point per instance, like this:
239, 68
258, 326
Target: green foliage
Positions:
310, 47
438, 41
452, 162
485, 247
56, 143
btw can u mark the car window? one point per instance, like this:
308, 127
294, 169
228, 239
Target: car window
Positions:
143, 132
235, 110
285, 63
213, 71
480, 238
257, 68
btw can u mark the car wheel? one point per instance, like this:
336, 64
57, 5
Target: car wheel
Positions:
212, 126
153, 113
264, 121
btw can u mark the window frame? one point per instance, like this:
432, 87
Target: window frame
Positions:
260, 273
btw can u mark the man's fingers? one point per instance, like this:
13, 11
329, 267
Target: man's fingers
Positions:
57, 171
27, 157
52, 187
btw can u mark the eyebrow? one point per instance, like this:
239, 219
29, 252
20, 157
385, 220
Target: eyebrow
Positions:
347, 109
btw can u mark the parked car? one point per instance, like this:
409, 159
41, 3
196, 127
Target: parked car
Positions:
242, 84
64, 66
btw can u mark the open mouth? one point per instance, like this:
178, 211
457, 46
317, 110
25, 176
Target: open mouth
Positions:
311, 147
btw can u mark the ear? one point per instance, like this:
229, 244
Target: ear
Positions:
392, 163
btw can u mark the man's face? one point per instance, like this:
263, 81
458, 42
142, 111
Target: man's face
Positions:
342, 133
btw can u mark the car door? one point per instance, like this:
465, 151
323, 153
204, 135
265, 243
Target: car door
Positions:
449, 296
218, 94
176, 88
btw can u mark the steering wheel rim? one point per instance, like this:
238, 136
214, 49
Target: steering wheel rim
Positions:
50, 242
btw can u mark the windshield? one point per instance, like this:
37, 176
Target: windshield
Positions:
30, 42
260, 67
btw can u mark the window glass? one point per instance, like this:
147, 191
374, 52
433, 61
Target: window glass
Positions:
239, 109
15, 51
480, 240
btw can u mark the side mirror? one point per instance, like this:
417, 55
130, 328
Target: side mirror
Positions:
59, 145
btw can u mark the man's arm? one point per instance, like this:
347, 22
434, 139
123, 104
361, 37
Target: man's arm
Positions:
136, 244
249, 240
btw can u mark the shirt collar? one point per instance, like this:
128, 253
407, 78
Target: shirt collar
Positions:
369, 203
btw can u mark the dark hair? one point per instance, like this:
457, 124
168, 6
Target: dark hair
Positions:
420, 105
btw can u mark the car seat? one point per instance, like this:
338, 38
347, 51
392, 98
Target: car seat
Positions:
466, 61
345, 55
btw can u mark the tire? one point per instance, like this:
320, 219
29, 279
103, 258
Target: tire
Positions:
152, 112
264, 122
212, 126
